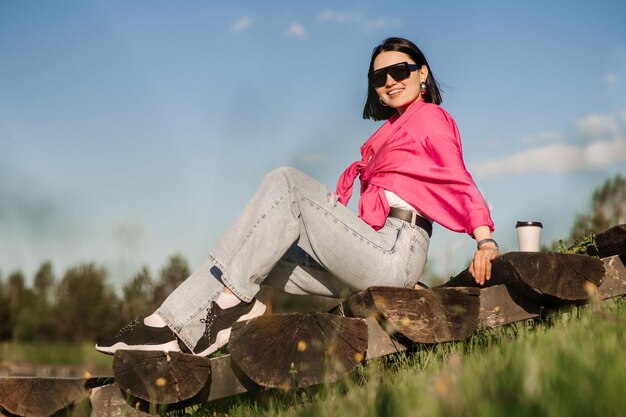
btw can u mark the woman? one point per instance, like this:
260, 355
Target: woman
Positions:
297, 236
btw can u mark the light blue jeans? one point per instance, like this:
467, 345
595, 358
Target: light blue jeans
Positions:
293, 235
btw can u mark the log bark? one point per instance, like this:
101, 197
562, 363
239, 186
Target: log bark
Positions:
160, 377
25, 396
298, 350
421, 316
612, 241
546, 277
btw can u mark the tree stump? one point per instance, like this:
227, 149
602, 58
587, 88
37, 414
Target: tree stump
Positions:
544, 276
612, 241
421, 316
160, 377
26, 396
298, 350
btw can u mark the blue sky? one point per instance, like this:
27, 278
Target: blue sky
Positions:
134, 130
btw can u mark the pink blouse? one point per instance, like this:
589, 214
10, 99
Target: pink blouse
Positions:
418, 156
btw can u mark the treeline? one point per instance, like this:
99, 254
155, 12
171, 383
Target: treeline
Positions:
81, 305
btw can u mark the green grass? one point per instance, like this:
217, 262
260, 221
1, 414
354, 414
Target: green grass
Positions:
572, 365
54, 353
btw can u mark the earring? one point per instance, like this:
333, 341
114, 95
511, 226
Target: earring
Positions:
423, 86
381, 102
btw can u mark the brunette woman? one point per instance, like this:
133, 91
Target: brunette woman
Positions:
298, 236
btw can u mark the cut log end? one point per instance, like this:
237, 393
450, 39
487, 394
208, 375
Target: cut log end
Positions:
612, 241
298, 350
40, 396
160, 377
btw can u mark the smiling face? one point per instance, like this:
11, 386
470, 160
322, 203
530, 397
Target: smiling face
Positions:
399, 94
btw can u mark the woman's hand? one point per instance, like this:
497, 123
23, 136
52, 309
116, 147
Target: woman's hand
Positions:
480, 268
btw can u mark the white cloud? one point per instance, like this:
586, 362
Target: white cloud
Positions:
356, 18
597, 126
242, 24
607, 134
555, 158
296, 30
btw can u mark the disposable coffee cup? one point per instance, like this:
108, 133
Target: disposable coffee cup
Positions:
528, 235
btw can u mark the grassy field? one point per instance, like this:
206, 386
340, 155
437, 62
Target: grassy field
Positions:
54, 353
571, 365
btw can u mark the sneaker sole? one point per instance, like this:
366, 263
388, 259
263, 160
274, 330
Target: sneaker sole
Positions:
165, 347
223, 336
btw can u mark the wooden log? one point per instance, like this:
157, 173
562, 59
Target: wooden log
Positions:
501, 305
612, 241
547, 277
108, 401
160, 377
298, 350
379, 342
33, 396
227, 379
421, 316
614, 283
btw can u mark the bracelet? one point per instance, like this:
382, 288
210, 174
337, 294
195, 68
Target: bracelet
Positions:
480, 242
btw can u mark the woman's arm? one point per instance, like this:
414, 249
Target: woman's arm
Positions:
487, 250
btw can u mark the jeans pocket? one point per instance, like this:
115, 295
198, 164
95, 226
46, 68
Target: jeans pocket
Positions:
417, 255
391, 234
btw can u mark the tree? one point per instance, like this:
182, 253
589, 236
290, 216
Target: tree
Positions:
172, 274
6, 328
87, 308
608, 208
44, 283
16, 290
138, 295
21, 301
43, 323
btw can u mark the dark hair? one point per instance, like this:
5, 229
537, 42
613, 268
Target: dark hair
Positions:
376, 111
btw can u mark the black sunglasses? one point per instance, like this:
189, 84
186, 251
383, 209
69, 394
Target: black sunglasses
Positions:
398, 72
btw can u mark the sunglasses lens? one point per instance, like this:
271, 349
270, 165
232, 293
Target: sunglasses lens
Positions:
398, 72
379, 78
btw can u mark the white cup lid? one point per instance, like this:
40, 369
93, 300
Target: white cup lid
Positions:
528, 223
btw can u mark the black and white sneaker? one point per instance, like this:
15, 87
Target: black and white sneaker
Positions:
137, 336
219, 322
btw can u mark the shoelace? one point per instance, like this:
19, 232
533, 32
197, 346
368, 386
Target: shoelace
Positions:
208, 322
129, 326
